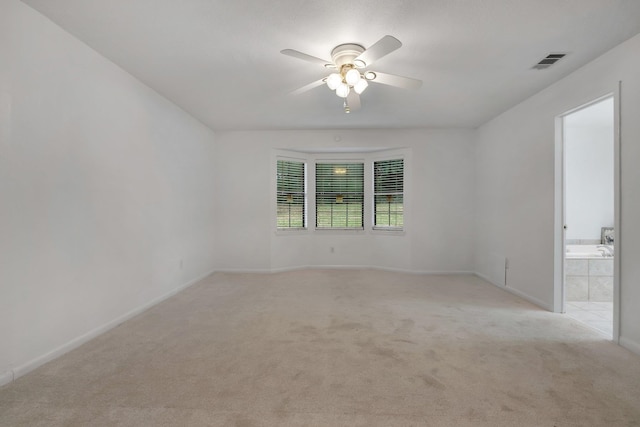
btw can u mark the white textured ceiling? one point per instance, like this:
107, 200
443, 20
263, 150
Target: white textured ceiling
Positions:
220, 60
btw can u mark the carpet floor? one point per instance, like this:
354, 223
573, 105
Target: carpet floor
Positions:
336, 348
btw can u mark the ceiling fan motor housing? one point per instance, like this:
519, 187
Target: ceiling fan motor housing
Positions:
345, 54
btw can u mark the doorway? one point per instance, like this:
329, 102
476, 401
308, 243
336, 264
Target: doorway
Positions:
588, 135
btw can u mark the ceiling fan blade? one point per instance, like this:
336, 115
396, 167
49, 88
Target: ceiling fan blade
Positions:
397, 81
308, 87
353, 101
305, 57
381, 48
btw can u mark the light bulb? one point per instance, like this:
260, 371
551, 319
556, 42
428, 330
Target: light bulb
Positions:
342, 90
360, 86
333, 81
352, 76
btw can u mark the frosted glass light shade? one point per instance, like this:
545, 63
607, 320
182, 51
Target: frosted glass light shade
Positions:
352, 77
360, 86
342, 90
333, 81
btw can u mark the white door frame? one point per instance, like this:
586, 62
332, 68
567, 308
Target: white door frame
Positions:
560, 208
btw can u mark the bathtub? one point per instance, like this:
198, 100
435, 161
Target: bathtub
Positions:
585, 252
588, 274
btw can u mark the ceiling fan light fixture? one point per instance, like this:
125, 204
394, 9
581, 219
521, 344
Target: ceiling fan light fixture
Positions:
352, 77
333, 81
348, 77
360, 86
342, 90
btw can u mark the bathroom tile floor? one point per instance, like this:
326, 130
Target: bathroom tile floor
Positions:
598, 315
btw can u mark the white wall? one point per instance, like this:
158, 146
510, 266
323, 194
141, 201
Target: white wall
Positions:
589, 179
106, 195
439, 198
515, 183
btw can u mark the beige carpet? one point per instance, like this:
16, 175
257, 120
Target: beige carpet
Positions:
336, 348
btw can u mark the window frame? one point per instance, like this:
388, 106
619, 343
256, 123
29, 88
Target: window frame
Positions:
312, 156
305, 194
374, 194
340, 164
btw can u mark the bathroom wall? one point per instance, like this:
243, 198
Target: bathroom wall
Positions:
588, 137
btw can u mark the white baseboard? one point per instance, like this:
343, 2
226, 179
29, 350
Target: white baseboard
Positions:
428, 272
345, 267
292, 268
286, 269
338, 267
630, 345
245, 270
25, 368
521, 294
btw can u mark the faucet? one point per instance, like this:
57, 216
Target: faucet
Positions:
606, 250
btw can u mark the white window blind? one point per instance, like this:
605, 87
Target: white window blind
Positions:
388, 194
339, 195
291, 194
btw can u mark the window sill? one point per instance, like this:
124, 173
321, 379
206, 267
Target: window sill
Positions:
291, 231
388, 231
339, 230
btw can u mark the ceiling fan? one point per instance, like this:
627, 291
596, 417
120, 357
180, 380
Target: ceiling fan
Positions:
350, 77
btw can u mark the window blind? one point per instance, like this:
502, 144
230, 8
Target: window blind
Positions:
291, 194
388, 189
339, 195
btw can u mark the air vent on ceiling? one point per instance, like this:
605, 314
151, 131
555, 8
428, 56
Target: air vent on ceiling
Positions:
548, 61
